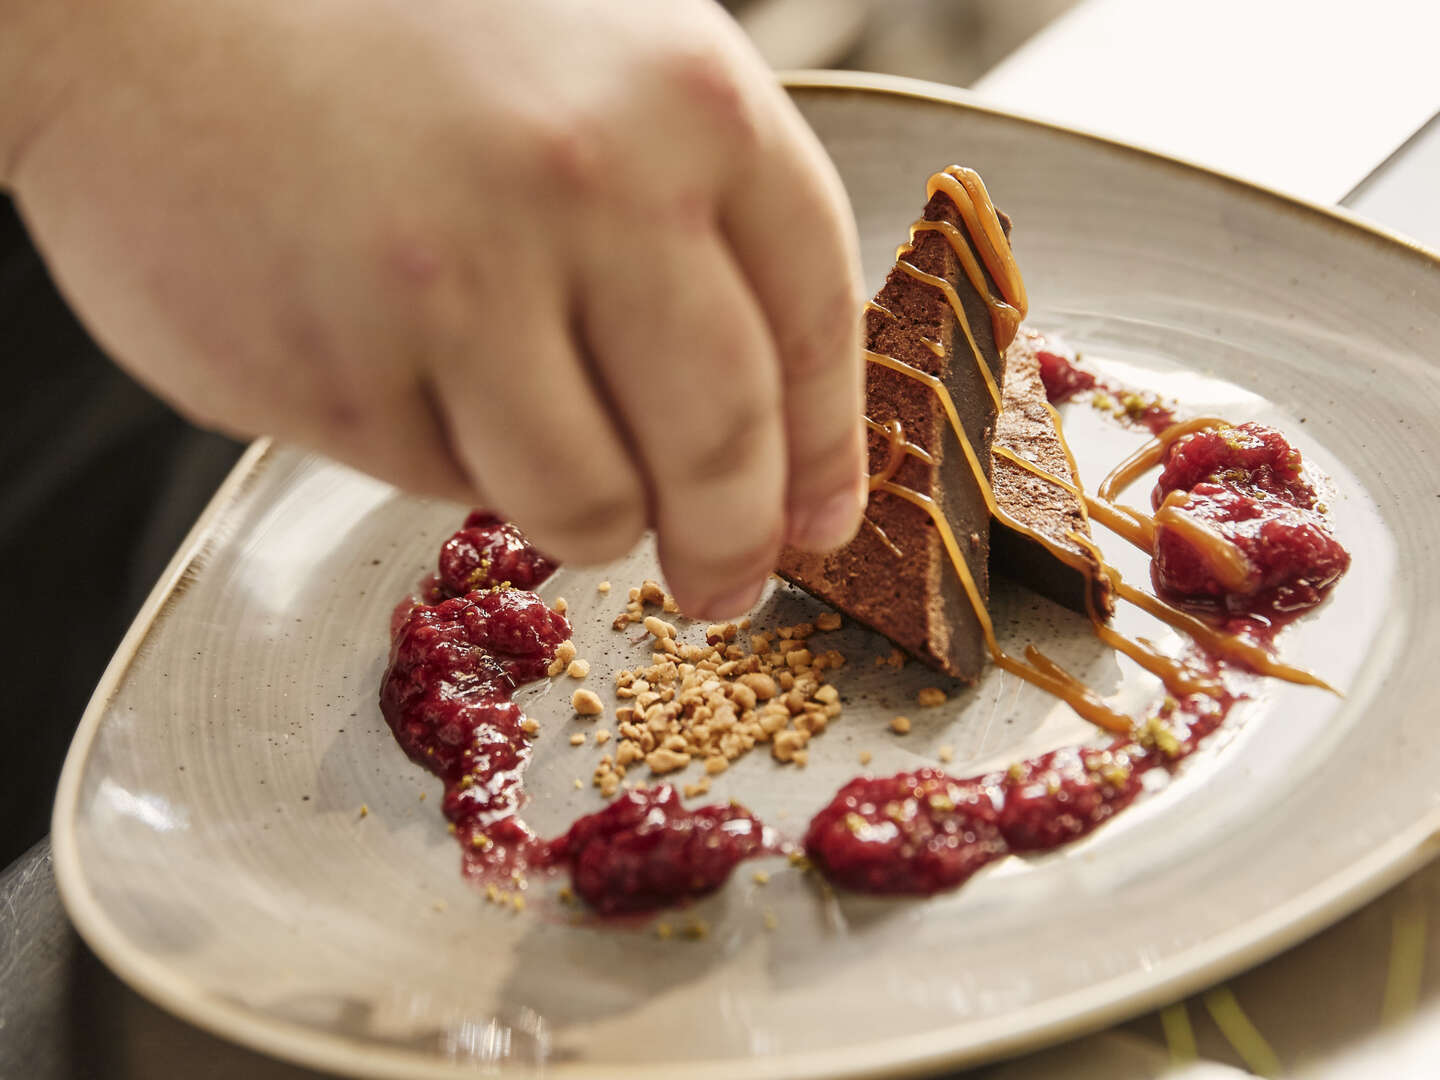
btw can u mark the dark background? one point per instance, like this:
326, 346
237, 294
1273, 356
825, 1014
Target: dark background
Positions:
99, 482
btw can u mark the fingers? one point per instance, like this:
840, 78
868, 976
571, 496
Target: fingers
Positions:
792, 232
528, 427
684, 350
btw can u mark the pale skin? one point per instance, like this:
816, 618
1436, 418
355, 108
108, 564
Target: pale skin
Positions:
581, 262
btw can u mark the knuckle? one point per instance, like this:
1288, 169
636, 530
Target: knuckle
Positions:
830, 345
741, 435
589, 525
707, 81
572, 156
819, 469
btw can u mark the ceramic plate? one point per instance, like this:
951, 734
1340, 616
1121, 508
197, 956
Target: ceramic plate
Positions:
208, 836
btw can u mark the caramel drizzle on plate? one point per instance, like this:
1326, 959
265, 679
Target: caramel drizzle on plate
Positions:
982, 222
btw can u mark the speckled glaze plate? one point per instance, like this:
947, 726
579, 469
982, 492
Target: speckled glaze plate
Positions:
208, 838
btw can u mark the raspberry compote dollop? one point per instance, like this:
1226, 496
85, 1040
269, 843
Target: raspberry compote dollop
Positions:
918, 833
645, 850
1244, 485
447, 697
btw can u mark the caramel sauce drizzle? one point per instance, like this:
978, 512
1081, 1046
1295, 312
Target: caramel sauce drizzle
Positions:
1004, 319
884, 537
934, 346
966, 190
958, 307
1226, 561
1149, 455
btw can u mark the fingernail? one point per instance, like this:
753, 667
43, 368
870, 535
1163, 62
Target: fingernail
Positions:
827, 525
734, 603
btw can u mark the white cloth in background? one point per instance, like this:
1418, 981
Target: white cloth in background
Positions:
1306, 96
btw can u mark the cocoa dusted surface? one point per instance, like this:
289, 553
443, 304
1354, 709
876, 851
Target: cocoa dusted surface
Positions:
915, 599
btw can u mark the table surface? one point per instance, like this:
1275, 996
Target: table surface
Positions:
1361, 1000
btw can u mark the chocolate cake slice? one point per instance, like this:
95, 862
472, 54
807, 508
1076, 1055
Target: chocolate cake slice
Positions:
1027, 427
896, 575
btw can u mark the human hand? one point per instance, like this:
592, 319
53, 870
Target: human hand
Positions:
583, 263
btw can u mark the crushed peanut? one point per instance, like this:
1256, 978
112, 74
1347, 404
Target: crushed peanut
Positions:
700, 787
587, 703
829, 620
946, 754
578, 669
603, 587
529, 726
561, 606
864, 757
931, 696
602, 736
578, 739
564, 653
900, 725
715, 702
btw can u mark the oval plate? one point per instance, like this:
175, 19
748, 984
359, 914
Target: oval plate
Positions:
208, 835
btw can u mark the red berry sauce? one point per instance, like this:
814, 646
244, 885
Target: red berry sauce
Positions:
447, 697
645, 850
1066, 380
1246, 485
918, 833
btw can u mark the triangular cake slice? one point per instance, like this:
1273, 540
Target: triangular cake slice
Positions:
896, 576
1029, 428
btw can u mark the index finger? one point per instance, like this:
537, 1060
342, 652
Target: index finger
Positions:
790, 225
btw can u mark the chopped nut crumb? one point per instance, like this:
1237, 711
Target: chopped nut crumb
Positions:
931, 696
364, 810
828, 620
663, 930
579, 784
565, 652
696, 929
760, 877
714, 702
560, 605
658, 627
578, 739
439, 905
603, 587
946, 754
422, 796
700, 787
665, 760
602, 736
587, 703
864, 757
578, 669
529, 726
900, 725
651, 593
517, 901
